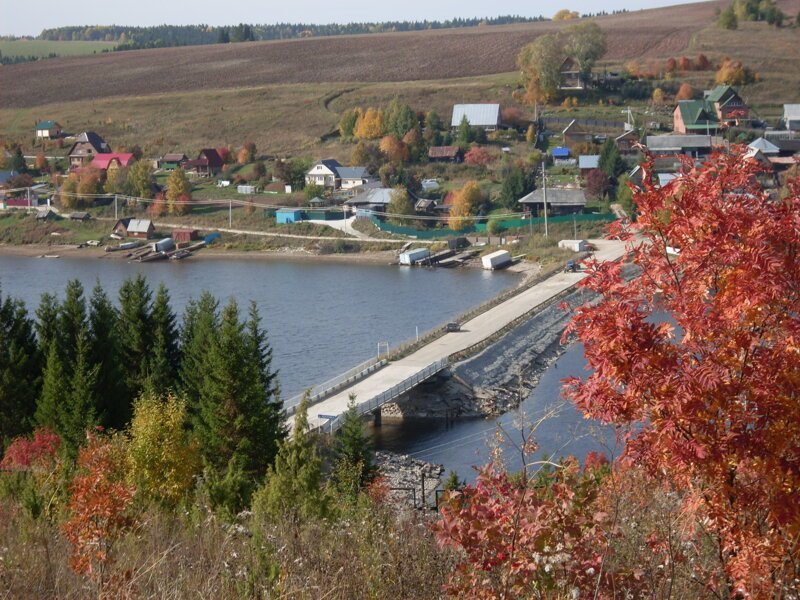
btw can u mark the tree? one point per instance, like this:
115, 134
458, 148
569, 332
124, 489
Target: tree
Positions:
658, 96
400, 207
140, 179
394, 150
610, 162
585, 43
313, 190
198, 331
20, 370
514, 187
135, 338
162, 458
293, 487
597, 184
708, 398
399, 119
478, 156
540, 63
104, 352
235, 421
465, 202
370, 124
223, 37
18, 163
41, 163
685, 92
98, 510
164, 363
728, 19
244, 157
530, 135
88, 186
347, 122
178, 191
353, 457
565, 15
259, 169
465, 135
625, 195
733, 72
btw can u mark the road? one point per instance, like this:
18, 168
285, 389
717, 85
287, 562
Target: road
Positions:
472, 332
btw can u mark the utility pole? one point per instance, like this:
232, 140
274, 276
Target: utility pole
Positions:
544, 198
115, 207
230, 214
574, 227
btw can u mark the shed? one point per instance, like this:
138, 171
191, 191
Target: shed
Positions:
445, 154
79, 216
791, 117
46, 215
560, 152
171, 161
289, 215
588, 162
246, 189
48, 129
185, 235
136, 228
574, 245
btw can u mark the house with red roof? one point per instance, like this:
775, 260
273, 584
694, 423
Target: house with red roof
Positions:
112, 160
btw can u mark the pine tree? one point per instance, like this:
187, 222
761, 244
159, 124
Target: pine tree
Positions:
104, 353
134, 332
353, 452
20, 369
611, 162
465, 135
235, 420
293, 487
79, 413
164, 361
55, 388
47, 321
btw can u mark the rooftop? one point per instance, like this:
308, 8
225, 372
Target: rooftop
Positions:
556, 197
478, 115
589, 161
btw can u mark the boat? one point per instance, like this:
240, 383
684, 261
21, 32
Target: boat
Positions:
180, 254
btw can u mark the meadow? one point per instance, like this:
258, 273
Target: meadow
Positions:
43, 48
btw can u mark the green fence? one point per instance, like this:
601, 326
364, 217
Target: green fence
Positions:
428, 234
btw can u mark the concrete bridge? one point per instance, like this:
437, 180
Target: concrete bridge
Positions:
378, 382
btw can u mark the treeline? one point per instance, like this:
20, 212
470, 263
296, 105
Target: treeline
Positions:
162, 36
81, 363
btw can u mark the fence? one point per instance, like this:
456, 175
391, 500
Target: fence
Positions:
427, 234
319, 392
393, 392
587, 122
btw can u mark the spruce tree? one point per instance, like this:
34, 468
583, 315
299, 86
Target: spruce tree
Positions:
353, 451
104, 353
165, 357
610, 161
71, 322
79, 413
134, 332
234, 418
55, 389
47, 321
293, 487
20, 370
198, 332
465, 134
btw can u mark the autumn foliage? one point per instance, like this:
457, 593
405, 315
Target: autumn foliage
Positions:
99, 508
708, 397
478, 156
26, 453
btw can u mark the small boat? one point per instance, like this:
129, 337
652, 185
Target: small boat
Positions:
51, 256
180, 255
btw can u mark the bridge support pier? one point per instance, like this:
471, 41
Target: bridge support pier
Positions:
376, 417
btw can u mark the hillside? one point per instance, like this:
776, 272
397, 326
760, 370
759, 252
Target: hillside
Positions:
427, 55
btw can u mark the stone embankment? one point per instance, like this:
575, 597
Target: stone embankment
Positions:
404, 474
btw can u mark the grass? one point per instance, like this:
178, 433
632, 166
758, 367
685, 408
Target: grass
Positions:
44, 48
21, 228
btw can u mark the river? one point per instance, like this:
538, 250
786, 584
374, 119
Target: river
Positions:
321, 317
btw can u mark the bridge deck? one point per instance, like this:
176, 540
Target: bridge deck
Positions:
472, 332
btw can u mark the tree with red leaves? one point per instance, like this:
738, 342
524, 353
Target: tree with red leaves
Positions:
708, 396
25, 453
478, 156
98, 508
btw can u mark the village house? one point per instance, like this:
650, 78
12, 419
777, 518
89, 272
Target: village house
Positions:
485, 116
112, 161
48, 130
369, 201
695, 116
571, 75
170, 162
86, 146
731, 110
587, 163
79, 216
693, 146
207, 164
135, 228
791, 117
575, 134
452, 154
628, 142
330, 174
560, 201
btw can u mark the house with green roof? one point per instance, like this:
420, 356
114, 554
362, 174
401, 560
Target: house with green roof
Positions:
48, 130
695, 116
730, 108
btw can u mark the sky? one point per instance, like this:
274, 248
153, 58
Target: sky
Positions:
29, 17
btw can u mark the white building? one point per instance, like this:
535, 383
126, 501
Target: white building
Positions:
330, 174
791, 116
486, 116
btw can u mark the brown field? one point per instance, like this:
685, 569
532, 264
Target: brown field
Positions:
428, 55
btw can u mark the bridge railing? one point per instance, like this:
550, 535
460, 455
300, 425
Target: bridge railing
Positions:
393, 392
319, 392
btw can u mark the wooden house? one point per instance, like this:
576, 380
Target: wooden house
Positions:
575, 134
452, 154
627, 142
112, 161
86, 146
170, 162
185, 235
207, 164
729, 107
330, 174
571, 78
135, 228
695, 116
48, 130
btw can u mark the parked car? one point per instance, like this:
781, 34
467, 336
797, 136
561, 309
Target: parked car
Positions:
450, 327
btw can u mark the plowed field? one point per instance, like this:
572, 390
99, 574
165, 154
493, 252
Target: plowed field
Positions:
428, 55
